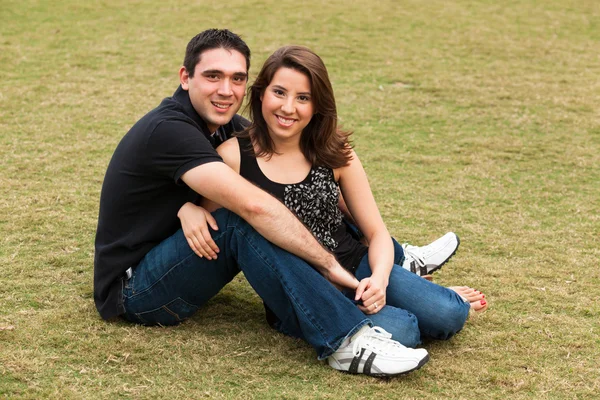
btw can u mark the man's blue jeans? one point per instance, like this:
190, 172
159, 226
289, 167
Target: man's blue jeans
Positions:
172, 282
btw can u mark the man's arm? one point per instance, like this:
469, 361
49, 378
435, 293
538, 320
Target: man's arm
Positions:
217, 182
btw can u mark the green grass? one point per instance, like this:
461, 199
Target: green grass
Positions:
480, 117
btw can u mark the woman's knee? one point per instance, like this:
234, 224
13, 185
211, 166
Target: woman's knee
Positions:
452, 318
402, 325
408, 334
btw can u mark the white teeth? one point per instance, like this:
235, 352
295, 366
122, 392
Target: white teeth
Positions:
285, 121
219, 105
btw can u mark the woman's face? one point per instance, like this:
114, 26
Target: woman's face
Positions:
287, 105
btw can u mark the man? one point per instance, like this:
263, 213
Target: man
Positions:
144, 268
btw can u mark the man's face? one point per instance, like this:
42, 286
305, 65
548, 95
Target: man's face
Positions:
218, 86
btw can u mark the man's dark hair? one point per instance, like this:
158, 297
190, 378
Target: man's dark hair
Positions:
213, 39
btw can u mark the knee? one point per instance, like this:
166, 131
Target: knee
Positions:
402, 325
409, 335
223, 214
452, 319
229, 219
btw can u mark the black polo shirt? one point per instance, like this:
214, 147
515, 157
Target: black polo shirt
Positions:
142, 190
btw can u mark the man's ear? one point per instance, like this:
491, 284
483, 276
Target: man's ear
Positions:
184, 77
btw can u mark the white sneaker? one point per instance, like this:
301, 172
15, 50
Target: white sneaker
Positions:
371, 351
427, 259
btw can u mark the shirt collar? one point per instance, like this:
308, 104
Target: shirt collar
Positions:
183, 97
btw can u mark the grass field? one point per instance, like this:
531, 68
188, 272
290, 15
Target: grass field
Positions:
469, 116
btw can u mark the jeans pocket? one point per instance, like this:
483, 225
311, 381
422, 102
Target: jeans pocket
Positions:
171, 313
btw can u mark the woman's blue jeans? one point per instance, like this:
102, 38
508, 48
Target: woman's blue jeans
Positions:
172, 282
416, 308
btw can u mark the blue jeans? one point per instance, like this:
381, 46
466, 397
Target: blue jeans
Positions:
172, 282
415, 307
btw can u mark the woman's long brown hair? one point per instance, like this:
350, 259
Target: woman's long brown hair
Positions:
322, 143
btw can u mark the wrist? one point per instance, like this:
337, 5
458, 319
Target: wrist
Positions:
383, 279
182, 209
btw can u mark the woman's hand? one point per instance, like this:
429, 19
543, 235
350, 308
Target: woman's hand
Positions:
194, 222
371, 291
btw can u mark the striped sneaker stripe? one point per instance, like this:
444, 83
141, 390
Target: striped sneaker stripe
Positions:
355, 362
369, 364
413, 267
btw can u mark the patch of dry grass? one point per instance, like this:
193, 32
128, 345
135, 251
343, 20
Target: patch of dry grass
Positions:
470, 116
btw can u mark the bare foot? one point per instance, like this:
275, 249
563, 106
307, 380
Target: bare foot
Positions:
474, 297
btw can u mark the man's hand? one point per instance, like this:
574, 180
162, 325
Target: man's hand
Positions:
194, 222
371, 291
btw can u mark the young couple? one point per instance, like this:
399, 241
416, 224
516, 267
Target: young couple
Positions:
152, 267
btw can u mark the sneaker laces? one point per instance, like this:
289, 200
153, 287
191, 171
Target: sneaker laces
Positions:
384, 339
416, 253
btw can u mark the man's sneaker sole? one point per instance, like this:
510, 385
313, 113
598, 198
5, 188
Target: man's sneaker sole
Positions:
379, 375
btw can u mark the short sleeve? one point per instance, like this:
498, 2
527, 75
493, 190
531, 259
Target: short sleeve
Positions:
175, 147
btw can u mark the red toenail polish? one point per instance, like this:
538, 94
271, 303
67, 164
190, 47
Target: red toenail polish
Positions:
483, 302
483, 296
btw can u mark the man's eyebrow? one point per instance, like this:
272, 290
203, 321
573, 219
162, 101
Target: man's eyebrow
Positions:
219, 72
212, 72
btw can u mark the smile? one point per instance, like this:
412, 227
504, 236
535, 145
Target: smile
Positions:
285, 121
221, 106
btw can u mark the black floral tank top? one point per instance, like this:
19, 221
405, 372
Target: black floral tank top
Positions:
314, 201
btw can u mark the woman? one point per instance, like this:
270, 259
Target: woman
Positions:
294, 150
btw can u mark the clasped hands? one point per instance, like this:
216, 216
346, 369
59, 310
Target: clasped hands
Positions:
371, 291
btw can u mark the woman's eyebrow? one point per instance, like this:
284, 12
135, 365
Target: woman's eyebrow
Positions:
285, 90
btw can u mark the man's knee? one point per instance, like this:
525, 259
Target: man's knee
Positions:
229, 219
225, 217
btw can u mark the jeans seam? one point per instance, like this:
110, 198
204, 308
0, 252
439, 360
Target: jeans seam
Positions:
171, 312
165, 308
156, 281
